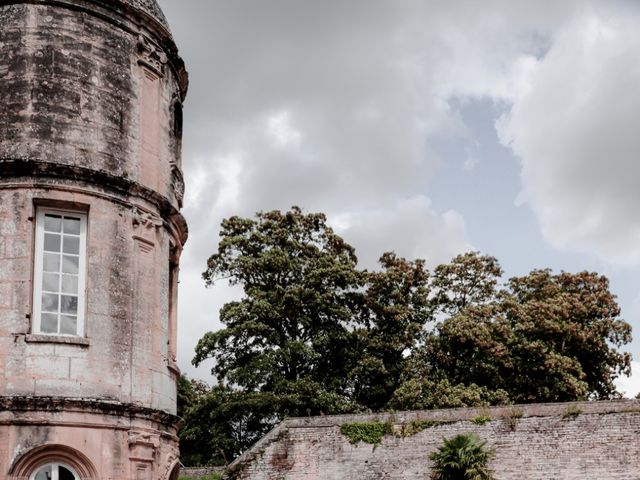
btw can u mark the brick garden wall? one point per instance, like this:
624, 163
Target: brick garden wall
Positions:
585, 441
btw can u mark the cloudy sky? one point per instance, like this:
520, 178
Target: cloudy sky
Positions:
421, 126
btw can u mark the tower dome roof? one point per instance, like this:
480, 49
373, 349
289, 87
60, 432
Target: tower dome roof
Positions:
151, 8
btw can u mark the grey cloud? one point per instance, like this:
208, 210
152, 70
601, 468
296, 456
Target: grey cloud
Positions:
364, 86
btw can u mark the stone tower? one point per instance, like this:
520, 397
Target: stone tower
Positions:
91, 96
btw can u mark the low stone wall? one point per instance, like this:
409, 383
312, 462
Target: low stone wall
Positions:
200, 472
569, 441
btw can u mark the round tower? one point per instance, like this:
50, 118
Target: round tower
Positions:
91, 96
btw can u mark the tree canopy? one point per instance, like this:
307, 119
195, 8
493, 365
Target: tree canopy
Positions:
314, 334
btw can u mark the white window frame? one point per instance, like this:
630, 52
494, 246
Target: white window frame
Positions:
55, 475
39, 270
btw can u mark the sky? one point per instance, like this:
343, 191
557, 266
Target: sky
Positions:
426, 127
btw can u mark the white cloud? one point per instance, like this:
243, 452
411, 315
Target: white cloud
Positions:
630, 386
409, 227
575, 131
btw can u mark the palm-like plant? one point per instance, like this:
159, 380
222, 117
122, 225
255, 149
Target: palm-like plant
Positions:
462, 458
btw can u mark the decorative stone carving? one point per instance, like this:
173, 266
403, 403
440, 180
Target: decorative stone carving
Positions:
170, 462
143, 447
178, 183
151, 56
146, 220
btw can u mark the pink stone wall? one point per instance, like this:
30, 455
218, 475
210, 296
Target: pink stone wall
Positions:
137, 448
126, 356
76, 91
88, 94
583, 441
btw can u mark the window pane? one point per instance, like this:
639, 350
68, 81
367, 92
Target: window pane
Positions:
51, 282
69, 305
51, 262
51, 242
49, 302
70, 264
49, 323
52, 223
69, 284
68, 325
72, 245
64, 474
72, 226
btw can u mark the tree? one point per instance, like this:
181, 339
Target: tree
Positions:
313, 334
541, 337
470, 279
289, 339
396, 308
463, 457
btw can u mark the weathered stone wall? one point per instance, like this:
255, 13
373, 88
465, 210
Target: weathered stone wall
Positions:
125, 353
101, 441
91, 98
78, 90
196, 473
582, 441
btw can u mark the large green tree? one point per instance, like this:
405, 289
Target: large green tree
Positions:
395, 309
289, 339
542, 337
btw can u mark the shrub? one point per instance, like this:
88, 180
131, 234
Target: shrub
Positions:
463, 457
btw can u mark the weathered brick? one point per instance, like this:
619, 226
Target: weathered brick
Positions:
533, 442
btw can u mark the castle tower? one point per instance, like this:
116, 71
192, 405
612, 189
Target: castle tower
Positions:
91, 96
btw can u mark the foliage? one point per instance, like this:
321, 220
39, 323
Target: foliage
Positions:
481, 419
470, 279
313, 334
463, 457
543, 338
288, 339
415, 393
417, 426
396, 308
367, 432
572, 411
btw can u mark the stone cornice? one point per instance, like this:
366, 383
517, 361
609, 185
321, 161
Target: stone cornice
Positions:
34, 169
20, 404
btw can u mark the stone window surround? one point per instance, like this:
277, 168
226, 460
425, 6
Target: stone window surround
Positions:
41, 206
27, 464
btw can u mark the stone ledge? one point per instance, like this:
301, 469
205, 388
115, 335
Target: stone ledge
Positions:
39, 338
103, 406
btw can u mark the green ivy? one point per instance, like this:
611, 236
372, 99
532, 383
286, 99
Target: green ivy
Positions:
367, 432
572, 411
374, 432
415, 427
481, 419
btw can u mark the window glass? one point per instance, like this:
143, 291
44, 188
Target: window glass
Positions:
64, 474
54, 471
44, 473
60, 265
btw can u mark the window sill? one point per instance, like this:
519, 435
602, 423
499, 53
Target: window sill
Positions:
39, 338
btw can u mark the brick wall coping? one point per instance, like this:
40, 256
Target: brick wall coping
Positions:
462, 414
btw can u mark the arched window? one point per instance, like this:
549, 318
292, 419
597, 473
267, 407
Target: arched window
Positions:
52, 462
54, 471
